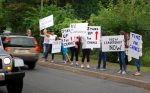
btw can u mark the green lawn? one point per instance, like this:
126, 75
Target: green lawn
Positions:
131, 67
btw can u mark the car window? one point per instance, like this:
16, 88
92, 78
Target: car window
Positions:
21, 42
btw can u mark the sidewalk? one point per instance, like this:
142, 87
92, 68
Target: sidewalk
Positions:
142, 81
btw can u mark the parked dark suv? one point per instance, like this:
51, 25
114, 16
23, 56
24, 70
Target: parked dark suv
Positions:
10, 72
23, 47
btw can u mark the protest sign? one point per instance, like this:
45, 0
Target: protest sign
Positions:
135, 45
79, 29
67, 38
93, 37
56, 46
46, 22
113, 43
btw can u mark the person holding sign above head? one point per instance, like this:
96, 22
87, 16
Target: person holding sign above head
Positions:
46, 45
52, 38
85, 52
122, 58
75, 51
101, 55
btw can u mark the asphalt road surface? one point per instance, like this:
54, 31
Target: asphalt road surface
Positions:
46, 80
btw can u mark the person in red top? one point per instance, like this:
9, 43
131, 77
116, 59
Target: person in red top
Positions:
75, 51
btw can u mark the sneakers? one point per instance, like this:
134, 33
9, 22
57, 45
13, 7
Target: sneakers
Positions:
103, 69
88, 66
119, 71
82, 66
65, 62
52, 61
71, 63
77, 64
137, 74
123, 72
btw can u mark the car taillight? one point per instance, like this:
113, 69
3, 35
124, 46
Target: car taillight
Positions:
6, 48
7, 39
35, 41
37, 48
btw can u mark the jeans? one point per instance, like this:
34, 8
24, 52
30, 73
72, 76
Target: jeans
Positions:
47, 48
101, 55
44, 49
64, 56
138, 65
122, 61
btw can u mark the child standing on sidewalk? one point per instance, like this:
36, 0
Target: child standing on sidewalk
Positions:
65, 56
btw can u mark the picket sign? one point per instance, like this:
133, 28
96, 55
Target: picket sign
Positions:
78, 29
113, 43
93, 36
46, 22
135, 45
56, 46
67, 38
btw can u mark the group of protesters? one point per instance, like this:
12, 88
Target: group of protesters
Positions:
49, 37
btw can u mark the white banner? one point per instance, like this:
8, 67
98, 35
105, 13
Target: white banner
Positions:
67, 37
113, 43
135, 45
56, 46
79, 29
93, 37
46, 22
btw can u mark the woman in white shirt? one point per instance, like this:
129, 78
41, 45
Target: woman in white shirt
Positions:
52, 38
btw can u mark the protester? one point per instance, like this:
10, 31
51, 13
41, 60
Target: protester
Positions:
138, 62
75, 51
52, 38
122, 58
85, 53
127, 57
46, 45
65, 56
29, 32
101, 55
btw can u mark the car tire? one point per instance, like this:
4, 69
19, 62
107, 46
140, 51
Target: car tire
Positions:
15, 86
32, 66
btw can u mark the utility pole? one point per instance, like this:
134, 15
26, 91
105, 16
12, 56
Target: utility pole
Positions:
41, 8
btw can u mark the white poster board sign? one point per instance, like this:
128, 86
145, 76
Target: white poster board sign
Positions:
135, 45
56, 46
67, 37
46, 22
93, 37
79, 29
113, 43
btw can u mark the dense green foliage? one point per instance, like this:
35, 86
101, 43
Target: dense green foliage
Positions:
111, 15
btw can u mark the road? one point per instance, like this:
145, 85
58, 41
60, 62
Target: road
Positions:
46, 80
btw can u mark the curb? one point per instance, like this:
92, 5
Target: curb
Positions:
100, 75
